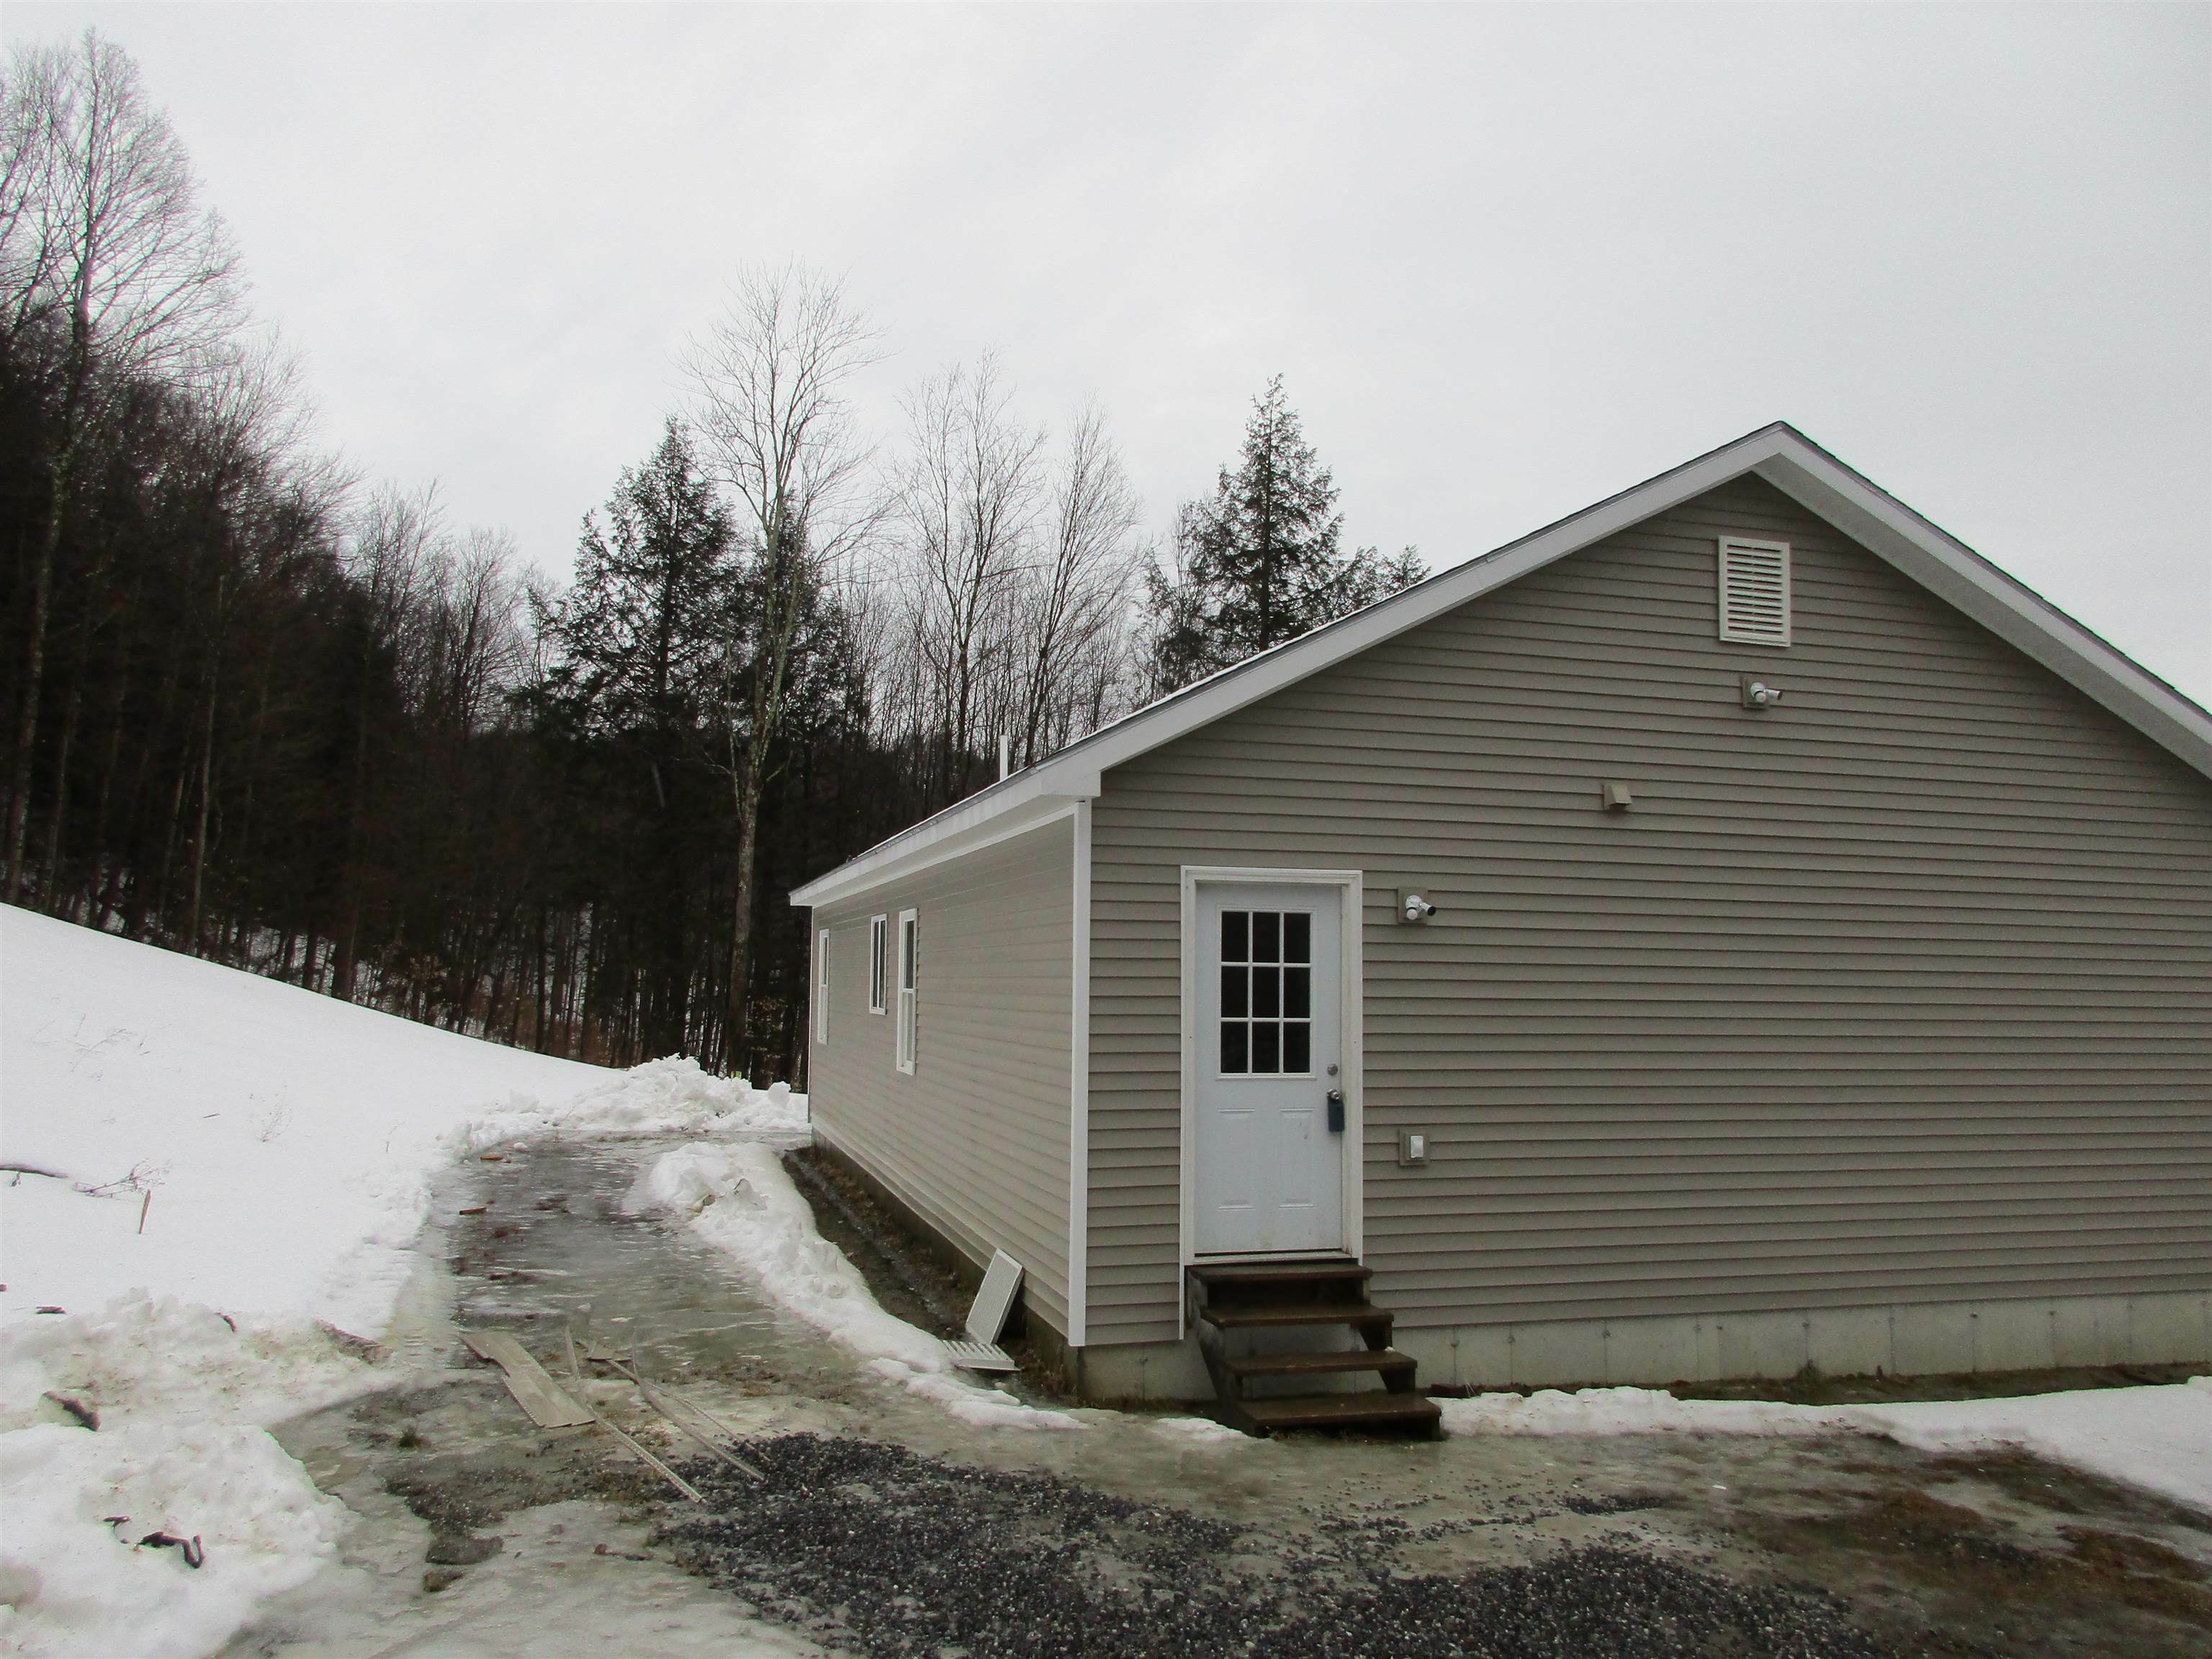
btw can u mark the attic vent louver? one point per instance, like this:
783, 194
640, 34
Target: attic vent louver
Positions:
1754, 592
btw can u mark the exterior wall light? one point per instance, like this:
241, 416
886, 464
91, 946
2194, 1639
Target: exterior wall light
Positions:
1757, 693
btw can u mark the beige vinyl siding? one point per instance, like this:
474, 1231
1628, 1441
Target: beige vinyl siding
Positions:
975, 1141
1899, 992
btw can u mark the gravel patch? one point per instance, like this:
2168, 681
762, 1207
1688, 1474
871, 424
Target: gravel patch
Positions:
881, 1551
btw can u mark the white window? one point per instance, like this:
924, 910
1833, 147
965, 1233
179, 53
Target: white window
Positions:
880, 976
822, 987
909, 1012
1754, 583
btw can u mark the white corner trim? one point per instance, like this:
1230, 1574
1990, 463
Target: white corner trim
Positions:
1078, 1093
1350, 1046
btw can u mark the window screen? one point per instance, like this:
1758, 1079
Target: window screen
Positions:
821, 987
878, 963
1266, 992
909, 976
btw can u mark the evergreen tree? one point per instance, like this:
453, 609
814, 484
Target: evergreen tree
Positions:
1259, 563
640, 640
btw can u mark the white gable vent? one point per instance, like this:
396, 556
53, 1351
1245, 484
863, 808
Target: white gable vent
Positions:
1754, 592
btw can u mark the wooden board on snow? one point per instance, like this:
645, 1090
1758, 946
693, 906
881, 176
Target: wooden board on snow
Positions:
533, 1390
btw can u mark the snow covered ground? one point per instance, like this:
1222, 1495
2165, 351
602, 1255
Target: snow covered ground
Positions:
262, 1159
2158, 1438
287, 1140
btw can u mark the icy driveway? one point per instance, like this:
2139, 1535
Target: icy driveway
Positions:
891, 1526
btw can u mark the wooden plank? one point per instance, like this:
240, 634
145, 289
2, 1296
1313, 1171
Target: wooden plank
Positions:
600, 1418
527, 1380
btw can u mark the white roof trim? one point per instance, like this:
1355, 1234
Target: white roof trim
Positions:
1780, 453
982, 820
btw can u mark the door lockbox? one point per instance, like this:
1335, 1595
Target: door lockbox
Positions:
1336, 1111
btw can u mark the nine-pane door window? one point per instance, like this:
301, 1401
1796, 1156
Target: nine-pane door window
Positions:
1266, 992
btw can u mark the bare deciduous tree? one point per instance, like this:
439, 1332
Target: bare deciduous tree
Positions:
1011, 583
968, 499
104, 242
769, 381
388, 557
1074, 614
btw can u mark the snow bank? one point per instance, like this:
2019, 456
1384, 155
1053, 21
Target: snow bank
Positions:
76, 1586
1632, 1411
1204, 1431
181, 1395
266, 1152
2158, 1438
288, 1140
741, 1200
663, 1097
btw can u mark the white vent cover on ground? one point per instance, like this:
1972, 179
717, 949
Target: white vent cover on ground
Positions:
987, 1318
1754, 592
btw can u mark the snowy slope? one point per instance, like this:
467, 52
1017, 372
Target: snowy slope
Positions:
289, 1143
287, 1138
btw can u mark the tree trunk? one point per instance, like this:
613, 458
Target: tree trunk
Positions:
207, 789
34, 663
348, 930
738, 1055
58, 903
109, 868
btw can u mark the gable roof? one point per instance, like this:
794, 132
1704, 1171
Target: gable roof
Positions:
1780, 453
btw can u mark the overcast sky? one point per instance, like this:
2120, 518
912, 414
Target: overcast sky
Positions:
1510, 260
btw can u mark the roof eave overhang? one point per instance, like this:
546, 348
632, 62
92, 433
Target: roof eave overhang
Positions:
1008, 809
2014, 613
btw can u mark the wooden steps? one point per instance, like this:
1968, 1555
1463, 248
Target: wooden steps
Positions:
1341, 1362
1370, 1409
1360, 1315
1245, 1313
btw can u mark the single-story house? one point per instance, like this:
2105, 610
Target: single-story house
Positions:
1734, 928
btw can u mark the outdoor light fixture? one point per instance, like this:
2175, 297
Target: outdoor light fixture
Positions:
1757, 694
1412, 907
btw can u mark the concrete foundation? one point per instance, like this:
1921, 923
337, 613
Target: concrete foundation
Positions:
1907, 1339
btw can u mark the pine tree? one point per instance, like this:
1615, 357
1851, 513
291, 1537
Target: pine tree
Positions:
1258, 563
640, 640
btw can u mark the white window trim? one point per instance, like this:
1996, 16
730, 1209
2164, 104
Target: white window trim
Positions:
909, 993
822, 987
1736, 635
1352, 1047
879, 964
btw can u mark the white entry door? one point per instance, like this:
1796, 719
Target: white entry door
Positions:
1270, 1171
